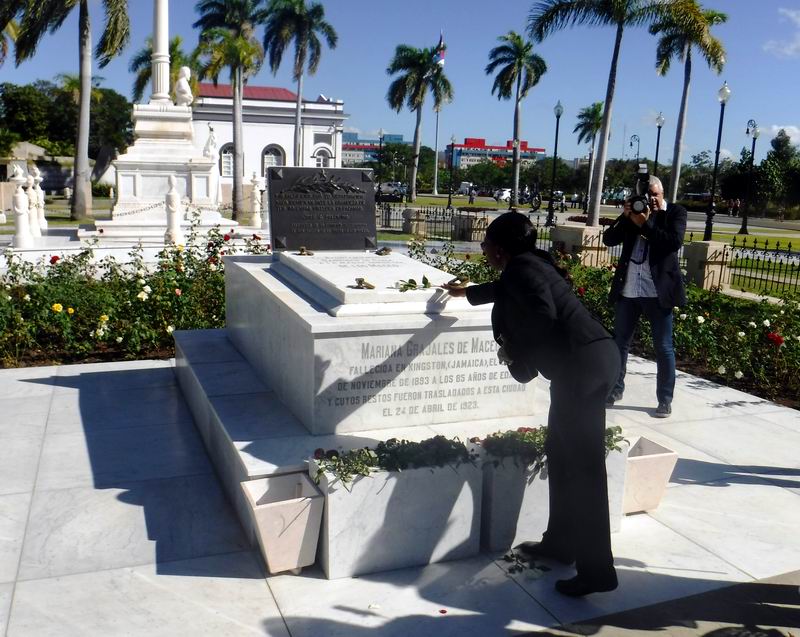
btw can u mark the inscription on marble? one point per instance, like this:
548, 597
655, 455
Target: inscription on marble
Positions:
447, 378
322, 208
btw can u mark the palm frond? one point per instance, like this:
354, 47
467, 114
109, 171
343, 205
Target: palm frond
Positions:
549, 16
116, 33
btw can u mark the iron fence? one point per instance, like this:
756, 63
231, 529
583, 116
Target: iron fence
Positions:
762, 267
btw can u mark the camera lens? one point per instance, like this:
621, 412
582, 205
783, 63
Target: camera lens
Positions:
639, 205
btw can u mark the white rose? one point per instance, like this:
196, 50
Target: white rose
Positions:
27, 297
740, 334
751, 324
140, 273
737, 375
766, 323
147, 289
142, 296
119, 339
140, 282
682, 317
212, 267
170, 329
700, 320
721, 370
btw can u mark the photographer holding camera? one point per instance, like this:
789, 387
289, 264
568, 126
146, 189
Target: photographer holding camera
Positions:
648, 280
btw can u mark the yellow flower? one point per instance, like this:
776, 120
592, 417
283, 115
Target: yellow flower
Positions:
57, 307
103, 318
70, 310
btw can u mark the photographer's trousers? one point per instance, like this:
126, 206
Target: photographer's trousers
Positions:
579, 523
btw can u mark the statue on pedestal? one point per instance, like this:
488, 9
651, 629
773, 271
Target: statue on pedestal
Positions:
37, 178
22, 230
33, 208
210, 151
174, 234
183, 92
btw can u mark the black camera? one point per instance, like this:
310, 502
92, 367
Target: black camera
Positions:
640, 201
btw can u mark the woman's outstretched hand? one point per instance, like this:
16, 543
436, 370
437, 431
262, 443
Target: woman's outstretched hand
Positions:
454, 290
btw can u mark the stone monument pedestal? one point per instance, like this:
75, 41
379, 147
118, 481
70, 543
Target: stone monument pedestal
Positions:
579, 239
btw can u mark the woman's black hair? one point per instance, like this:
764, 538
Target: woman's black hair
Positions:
515, 234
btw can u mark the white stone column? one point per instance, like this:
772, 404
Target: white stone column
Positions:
22, 230
174, 234
160, 57
37, 178
33, 208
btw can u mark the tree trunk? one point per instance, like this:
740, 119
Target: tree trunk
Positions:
238, 155
415, 163
602, 151
298, 159
591, 175
515, 157
81, 176
675, 177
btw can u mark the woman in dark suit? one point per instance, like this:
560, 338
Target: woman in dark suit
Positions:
542, 327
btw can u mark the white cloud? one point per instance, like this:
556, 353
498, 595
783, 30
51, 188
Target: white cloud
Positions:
786, 48
792, 131
352, 129
724, 153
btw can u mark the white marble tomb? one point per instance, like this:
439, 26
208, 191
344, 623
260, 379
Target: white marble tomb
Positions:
345, 359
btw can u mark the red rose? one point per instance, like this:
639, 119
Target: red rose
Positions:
256, 237
54, 259
443, 612
227, 237
581, 291
776, 338
319, 453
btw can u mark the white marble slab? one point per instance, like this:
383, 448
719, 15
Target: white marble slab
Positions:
109, 377
86, 529
654, 564
477, 597
209, 596
13, 518
26, 418
248, 417
113, 457
335, 273
6, 591
28, 382
19, 458
751, 524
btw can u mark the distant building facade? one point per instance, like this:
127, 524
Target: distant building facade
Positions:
268, 128
475, 150
357, 151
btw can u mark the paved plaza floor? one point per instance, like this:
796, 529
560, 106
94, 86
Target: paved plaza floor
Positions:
112, 522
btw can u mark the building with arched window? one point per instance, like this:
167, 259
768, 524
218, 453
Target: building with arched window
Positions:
268, 115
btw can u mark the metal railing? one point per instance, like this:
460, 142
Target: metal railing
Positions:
763, 267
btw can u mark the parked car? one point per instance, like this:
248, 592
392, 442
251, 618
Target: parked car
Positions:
502, 194
391, 188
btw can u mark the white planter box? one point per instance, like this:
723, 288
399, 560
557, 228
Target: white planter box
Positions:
650, 466
516, 503
392, 520
287, 511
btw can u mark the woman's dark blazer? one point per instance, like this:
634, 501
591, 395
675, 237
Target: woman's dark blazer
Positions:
664, 233
536, 317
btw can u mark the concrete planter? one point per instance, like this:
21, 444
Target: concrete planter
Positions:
392, 520
650, 466
516, 502
287, 511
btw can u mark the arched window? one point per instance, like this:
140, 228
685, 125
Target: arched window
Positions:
323, 158
226, 160
272, 155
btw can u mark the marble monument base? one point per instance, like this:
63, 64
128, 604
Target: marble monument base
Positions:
344, 359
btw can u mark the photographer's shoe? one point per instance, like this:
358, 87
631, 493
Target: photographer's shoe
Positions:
664, 410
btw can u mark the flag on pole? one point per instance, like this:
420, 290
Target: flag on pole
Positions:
438, 53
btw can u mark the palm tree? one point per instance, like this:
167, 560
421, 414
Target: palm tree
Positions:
590, 121
520, 70
141, 64
420, 72
295, 20
43, 16
8, 35
228, 40
548, 16
685, 27
71, 83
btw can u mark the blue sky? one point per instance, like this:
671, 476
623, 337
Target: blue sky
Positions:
762, 38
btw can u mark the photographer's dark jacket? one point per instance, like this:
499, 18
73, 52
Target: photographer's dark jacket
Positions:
664, 232
536, 317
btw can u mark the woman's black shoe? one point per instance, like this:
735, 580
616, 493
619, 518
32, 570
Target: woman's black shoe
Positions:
545, 551
579, 586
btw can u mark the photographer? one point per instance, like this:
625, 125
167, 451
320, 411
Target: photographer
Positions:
543, 327
648, 280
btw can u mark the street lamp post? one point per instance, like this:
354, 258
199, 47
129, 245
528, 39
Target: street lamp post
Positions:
722, 95
381, 133
558, 110
752, 130
452, 166
659, 123
635, 138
